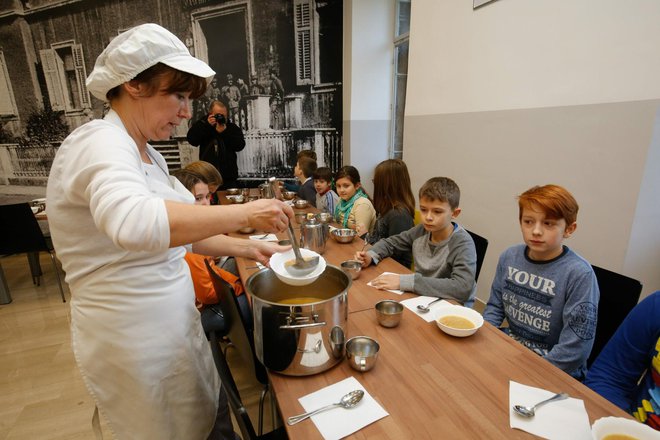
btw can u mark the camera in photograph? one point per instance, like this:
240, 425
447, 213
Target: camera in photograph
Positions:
220, 118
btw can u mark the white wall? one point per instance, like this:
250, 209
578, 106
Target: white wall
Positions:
368, 69
522, 92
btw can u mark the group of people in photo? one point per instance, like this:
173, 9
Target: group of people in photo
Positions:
134, 240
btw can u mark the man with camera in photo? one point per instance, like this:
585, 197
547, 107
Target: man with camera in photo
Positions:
219, 141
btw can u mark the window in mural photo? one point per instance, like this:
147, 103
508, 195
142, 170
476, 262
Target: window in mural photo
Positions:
278, 70
402, 33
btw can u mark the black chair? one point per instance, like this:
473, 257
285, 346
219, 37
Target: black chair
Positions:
618, 295
20, 233
481, 244
241, 336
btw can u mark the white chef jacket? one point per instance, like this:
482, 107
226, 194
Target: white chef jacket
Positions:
137, 336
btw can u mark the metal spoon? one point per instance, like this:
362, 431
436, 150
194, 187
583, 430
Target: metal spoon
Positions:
426, 308
301, 267
349, 401
527, 411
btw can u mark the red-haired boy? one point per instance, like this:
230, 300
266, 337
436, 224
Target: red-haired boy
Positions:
547, 293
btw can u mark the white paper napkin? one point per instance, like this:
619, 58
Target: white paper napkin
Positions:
397, 291
339, 422
556, 420
412, 303
260, 237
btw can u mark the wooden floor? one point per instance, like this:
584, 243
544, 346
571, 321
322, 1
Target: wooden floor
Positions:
42, 395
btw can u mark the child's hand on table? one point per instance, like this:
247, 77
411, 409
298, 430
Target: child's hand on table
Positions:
389, 281
363, 258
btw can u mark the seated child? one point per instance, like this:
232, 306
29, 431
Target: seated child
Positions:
205, 295
209, 174
293, 186
631, 354
547, 293
354, 205
326, 198
303, 172
394, 203
444, 253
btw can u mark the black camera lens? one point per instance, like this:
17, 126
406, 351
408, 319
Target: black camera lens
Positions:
220, 118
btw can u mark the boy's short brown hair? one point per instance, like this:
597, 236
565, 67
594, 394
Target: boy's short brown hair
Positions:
306, 153
307, 165
554, 200
443, 189
322, 173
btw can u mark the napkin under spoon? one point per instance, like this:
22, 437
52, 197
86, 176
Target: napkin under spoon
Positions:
348, 401
527, 411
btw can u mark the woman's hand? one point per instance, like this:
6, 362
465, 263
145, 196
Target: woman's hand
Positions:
269, 215
390, 281
262, 251
363, 257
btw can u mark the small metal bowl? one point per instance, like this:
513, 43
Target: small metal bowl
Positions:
301, 217
389, 313
300, 203
233, 191
352, 268
343, 235
362, 352
324, 217
289, 195
247, 230
236, 199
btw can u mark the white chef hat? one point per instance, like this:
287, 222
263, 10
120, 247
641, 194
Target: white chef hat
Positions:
137, 49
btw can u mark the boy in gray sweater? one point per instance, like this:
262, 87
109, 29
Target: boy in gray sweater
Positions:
444, 253
547, 293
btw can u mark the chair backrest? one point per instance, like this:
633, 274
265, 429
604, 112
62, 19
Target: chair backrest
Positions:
19, 230
240, 412
618, 295
481, 244
238, 331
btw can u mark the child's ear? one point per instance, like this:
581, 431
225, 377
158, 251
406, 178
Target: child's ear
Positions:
455, 213
570, 229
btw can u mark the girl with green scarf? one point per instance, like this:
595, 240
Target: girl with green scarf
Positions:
354, 207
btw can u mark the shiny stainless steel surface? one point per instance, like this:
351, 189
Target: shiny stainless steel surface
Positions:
348, 401
388, 313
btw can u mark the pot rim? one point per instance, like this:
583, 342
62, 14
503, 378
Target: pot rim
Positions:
273, 303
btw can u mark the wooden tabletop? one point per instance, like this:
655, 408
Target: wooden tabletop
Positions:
433, 385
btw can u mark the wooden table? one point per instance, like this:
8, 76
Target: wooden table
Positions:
433, 385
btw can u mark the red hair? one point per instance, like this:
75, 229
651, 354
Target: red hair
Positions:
555, 202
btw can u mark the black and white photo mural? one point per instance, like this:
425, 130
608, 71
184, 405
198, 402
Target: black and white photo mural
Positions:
278, 70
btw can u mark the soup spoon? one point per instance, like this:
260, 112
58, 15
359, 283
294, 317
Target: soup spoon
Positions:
426, 308
348, 401
527, 411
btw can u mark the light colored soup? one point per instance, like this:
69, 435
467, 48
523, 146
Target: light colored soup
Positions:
292, 261
299, 300
619, 437
457, 322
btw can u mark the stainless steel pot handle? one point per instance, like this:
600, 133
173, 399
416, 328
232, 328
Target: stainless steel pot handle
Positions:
299, 326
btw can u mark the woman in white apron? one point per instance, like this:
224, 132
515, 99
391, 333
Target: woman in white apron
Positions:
119, 224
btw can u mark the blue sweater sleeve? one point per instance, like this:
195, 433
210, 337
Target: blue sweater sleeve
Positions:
618, 368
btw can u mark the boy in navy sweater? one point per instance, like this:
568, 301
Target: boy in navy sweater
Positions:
547, 293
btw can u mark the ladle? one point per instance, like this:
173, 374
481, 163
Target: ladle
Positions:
426, 308
527, 411
348, 401
300, 267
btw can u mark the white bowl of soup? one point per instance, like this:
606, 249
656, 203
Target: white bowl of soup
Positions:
458, 320
279, 261
618, 428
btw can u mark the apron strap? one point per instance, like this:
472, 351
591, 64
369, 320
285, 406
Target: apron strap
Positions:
96, 424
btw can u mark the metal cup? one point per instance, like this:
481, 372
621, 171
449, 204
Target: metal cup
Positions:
362, 352
389, 313
245, 192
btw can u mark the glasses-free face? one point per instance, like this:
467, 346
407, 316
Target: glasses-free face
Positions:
321, 186
345, 188
437, 217
202, 194
542, 235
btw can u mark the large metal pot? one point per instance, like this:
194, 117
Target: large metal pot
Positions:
304, 337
